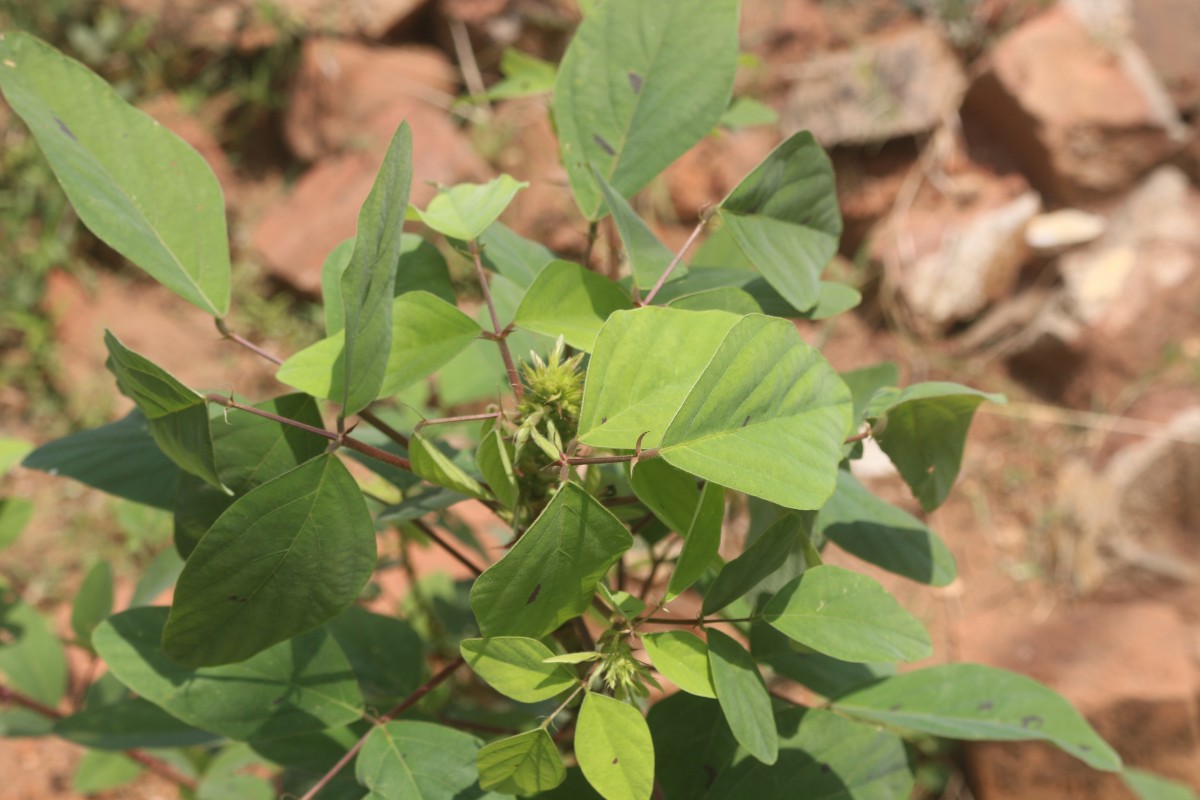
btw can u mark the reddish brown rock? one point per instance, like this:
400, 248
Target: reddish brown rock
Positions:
1166, 30
370, 19
1126, 666
1081, 109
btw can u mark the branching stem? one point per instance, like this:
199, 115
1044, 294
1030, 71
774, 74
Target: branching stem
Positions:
662, 279
246, 343
462, 418
510, 366
695, 621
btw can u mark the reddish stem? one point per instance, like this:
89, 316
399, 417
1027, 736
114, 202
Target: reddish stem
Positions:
662, 279
426, 529
510, 366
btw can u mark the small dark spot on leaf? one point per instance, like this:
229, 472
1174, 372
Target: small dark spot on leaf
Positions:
710, 773
62, 126
605, 146
986, 705
277, 701
237, 599
746, 421
1032, 721
1085, 748
603, 420
896, 707
824, 769
635, 82
536, 591
615, 760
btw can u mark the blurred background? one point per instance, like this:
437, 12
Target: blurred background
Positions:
1019, 180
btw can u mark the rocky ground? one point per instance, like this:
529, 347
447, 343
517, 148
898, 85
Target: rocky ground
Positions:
1020, 186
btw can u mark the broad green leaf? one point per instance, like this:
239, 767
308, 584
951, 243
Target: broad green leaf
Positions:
670, 493
569, 301
692, 744
331, 286
648, 257
177, 416
385, 652
847, 615
767, 417
627, 605
135, 184
368, 281
746, 112
427, 332
825, 675
11, 453
285, 558
724, 298
120, 458
524, 76
822, 756
701, 542
1148, 786
127, 724
643, 366
768, 553
99, 771
550, 574
15, 513
299, 686
923, 430
682, 658
250, 450
419, 761
632, 96
465, 211
158, 575
743, 697
971, 701
420, 503
312, 753
225, 777
833, 298
495, 461
876, 531
576, 658
436, 467
524, 764
865, 382
614, 748
93, 602
31, 657
513, 256
785, 219
516, 667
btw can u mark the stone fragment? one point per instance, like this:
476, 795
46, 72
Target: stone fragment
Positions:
1066, 227
1080, 108
898, 85
1166, 31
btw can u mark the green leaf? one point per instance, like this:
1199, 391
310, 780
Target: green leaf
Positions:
743, 697
1148, 786
296, 687
419, 761
465, 211
524, 764
436, 467
848, 616
923, 430
627, 605
177, 416
135, 184
158, 575
822, 756
746, 112
369, 279
825, 675
682, 658
99, 771
427, 333
524, 76
767, 417
569, 301
331, 285
31, 656
865, 382
11, 453
643, 366
224, 776
516, 667
648, 257
701, 542
835, 298
516, 258
692, 744
423, 268
876, 531
128, 724
285, 558
670, 493
971, 701
550, 575
250, 450
785, 219
576, 658
386, 653
120, 458
93, 602
614, 748
725, 298
768, 553
15, 513
631, 95
495, 461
